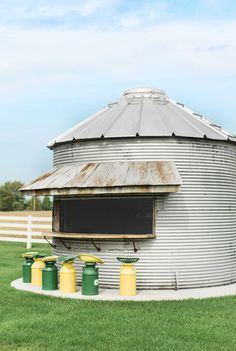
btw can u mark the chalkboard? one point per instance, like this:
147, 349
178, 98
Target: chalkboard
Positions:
107, 216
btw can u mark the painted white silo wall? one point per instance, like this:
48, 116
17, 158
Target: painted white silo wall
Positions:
196, 228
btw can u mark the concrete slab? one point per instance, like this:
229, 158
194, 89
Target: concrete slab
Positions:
142, 295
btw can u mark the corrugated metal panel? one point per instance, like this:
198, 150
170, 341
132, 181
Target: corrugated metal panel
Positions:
196, 228
144, 112
108, 178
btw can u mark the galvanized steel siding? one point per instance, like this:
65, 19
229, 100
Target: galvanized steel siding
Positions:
196, 228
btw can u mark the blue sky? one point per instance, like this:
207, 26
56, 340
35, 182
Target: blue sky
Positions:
61, 61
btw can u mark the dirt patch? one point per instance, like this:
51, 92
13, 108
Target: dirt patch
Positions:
26, 213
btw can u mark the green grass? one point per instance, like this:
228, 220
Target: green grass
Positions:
30, 322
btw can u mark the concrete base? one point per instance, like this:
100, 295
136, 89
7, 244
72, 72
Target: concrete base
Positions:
142, 295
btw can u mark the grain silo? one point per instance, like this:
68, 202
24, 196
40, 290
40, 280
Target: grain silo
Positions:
147, 177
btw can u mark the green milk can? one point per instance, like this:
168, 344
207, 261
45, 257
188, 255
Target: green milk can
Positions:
29, 260
90, 274
90, 279
50, 274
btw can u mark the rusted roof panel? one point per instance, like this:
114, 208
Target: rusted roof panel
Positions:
107, 178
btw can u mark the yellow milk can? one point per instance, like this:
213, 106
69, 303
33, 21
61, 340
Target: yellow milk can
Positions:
67, 274
127, 276
36, 270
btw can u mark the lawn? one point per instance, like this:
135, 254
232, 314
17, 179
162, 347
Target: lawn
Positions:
31, 322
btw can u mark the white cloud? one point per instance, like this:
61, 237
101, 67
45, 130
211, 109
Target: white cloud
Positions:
147, 13
109, 14
38, 10
129, 21
90, 7
38, 57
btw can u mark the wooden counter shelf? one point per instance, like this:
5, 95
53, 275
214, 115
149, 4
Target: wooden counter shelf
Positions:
65, 235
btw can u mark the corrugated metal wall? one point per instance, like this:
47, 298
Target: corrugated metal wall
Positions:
196, 228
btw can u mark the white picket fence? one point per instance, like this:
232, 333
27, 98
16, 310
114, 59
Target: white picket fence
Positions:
23, 229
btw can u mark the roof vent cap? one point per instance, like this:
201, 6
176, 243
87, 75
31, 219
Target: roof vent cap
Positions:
143, 91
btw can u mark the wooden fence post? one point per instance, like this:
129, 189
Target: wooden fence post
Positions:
29, 233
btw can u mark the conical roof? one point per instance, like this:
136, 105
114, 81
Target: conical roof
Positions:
144, 112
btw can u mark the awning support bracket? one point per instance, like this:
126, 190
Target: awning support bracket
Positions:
52, 245
68, 247
96, 247
135, 248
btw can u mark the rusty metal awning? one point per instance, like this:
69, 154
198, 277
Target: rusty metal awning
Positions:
110, 178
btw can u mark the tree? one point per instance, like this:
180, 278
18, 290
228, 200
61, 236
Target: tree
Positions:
10, 197
34, 204
46, 204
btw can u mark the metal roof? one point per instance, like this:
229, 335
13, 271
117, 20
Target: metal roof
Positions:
144, 112
108, 178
